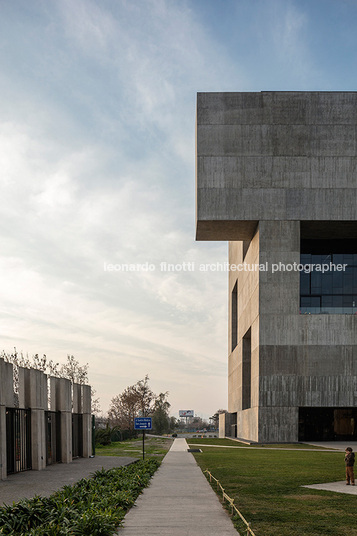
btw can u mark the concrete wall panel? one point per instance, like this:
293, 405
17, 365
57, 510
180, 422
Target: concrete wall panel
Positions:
248, 424
6, 384
251, 166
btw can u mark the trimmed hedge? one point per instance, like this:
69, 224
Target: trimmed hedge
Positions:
93, 506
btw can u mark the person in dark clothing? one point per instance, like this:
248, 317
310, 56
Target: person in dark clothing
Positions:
349, 461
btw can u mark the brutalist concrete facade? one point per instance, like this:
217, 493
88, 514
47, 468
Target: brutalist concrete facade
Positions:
274, 168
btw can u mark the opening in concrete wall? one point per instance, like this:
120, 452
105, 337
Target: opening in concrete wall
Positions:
77, 435
53, 437
233, 425
327, 424
234, 316
246, 370
328, 280
18, 440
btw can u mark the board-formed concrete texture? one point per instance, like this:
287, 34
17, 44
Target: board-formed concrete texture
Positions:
273, 168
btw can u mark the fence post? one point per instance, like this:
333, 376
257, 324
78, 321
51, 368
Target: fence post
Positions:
248, 530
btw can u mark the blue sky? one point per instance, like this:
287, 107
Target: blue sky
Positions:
97, 166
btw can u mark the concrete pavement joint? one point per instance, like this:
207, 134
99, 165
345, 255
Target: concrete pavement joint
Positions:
179, 501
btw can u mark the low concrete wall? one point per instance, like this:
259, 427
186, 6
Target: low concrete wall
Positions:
33, 395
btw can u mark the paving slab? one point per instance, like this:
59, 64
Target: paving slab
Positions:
30, 483
337, 445
178, 502
338, 487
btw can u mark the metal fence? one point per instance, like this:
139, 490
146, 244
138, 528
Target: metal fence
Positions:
230, 501
53, 437
18, 440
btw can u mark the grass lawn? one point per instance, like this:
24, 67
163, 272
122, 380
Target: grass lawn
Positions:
154, 447
266, 486
232, 443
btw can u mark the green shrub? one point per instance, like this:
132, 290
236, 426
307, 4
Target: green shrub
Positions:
94, 506
102, 437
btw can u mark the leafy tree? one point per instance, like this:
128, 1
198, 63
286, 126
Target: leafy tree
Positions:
215, 417
173, 424
160, 417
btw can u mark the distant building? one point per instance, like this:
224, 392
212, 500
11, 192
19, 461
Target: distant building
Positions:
277, 178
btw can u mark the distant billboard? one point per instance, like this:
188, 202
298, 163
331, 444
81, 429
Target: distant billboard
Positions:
186, 413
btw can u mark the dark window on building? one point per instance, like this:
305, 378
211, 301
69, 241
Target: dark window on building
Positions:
328, 290
327, 424
234, 316
246, 370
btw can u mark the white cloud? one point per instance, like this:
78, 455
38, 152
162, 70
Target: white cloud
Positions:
99, 167
286, 25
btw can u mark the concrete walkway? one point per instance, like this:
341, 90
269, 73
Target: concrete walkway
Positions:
327, 449
336, 445
31, 483
338, 487
178, 502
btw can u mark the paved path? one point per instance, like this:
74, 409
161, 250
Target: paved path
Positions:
338, 487
327, 449
337, 445
31, 483
178, 502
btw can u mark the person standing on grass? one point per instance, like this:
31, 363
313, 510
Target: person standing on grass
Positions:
349, 461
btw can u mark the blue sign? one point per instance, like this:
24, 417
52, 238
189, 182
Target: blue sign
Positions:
143, 423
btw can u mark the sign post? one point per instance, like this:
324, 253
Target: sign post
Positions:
143, 423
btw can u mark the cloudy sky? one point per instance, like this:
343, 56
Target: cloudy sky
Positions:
97, 167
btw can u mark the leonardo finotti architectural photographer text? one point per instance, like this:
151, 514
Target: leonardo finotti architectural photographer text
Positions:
225, 267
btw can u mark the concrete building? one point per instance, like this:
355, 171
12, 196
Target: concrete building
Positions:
277, 178
33, 435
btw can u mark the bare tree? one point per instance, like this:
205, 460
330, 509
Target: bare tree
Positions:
145, 396
123, 409
71, 370
136, 400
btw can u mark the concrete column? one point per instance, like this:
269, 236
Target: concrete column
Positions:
77, 398
66, 436
222, 425
33, 396
87, 421
6, 400
61, 400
